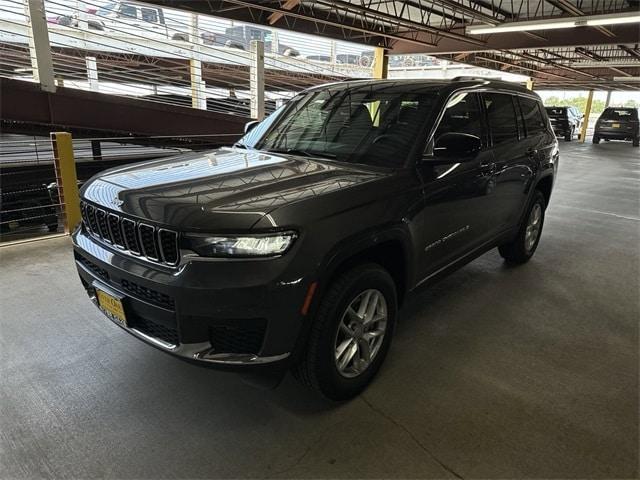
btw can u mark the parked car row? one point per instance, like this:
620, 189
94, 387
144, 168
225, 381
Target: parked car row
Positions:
614, 123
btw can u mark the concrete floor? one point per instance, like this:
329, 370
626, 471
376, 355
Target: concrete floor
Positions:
494, 372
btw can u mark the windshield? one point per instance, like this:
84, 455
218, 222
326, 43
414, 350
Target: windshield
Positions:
106, 9
620, 114
366, 124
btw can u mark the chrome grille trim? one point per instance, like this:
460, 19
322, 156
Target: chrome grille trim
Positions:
101, 223
154, 242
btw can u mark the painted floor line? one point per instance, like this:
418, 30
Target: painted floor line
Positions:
635, 219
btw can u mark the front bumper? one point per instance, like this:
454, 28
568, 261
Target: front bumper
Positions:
233, 314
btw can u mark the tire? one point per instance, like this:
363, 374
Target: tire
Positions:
636, 142
596, 139
319, 368
521, 249
568, 136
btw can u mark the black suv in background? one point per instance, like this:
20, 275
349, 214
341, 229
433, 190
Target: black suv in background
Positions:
296, 247
618, 124
565, 121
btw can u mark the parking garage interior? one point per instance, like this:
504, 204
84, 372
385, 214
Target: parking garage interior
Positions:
494, 371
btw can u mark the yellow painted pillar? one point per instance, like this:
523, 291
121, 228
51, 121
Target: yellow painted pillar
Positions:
585, 123
380, 63
66, 178
530, 84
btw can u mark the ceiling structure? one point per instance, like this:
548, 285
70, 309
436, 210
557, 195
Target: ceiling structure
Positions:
599, 57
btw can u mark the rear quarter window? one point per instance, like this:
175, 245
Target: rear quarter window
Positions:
532, 115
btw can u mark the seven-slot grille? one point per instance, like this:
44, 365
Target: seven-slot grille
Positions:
140, 239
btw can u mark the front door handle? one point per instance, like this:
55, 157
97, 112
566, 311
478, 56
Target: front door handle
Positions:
532, 152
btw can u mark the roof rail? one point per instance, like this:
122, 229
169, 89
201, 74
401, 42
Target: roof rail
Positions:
467, 78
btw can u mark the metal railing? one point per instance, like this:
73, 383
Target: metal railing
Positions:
33, 172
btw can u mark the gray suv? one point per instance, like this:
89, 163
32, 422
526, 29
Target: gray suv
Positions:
295, 248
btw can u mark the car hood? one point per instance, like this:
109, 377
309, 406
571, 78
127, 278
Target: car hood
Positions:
223, 190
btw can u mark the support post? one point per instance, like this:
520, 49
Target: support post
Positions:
256, 79
608, 100
92, 73
587, 113
96, 149
380, 63
333, 57
82, 15
530, 84
66, 178
198, 86
39, 46
275, 43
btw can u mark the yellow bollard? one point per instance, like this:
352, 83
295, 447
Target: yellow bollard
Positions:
585, 123
66, 178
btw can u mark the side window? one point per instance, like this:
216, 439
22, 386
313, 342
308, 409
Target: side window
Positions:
533, 119
128, 11
461, 115
501, 116
149, 15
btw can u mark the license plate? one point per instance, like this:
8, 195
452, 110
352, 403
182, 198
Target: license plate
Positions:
615, 125
112, 307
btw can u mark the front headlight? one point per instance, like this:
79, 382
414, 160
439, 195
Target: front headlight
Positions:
259, 245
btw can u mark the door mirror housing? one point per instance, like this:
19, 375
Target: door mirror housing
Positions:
454, 145
250, 126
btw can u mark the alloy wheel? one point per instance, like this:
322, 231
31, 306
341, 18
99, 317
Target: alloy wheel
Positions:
533, 227
361, 332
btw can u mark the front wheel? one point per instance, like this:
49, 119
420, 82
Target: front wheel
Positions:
522, 248
596, 139
351, 333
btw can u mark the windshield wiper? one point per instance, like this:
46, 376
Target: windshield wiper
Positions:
304, 153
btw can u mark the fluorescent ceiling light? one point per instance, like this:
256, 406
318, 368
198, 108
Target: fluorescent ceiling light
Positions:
626, 79
557, 23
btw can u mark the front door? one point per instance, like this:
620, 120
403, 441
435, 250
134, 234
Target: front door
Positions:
456, 191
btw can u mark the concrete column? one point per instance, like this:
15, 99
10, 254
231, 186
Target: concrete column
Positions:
333, 54
275, 43
256, 79
530, 84
92, 73
39, 46
608, 100
380, 63
585, 124
82, 15
198, 86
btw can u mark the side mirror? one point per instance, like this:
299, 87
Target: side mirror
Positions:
250, 126
453, 144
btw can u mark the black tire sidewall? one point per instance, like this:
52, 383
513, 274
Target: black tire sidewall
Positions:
330, 381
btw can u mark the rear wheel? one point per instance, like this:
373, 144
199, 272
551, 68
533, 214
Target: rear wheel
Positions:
596, 139
636, 142
351, 333
522, 248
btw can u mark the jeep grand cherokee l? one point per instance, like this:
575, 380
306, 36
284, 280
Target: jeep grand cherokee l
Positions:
618, 124
295, 248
